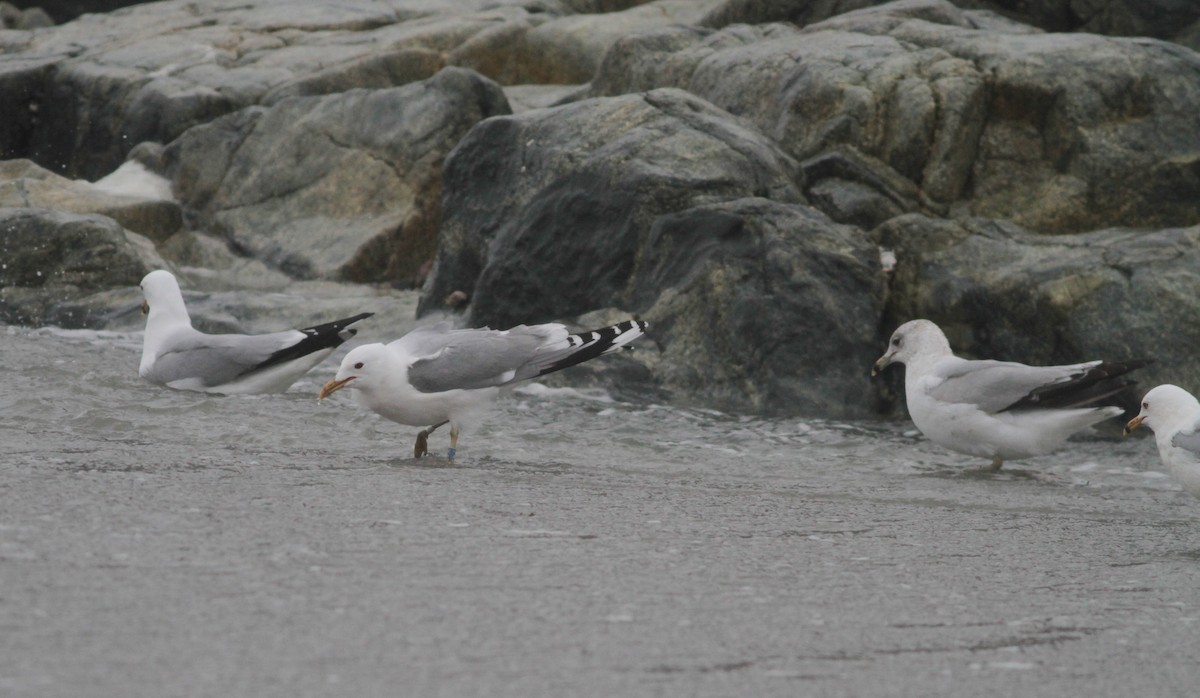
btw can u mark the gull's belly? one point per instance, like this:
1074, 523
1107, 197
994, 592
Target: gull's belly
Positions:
957, 429
426, 409
963, 428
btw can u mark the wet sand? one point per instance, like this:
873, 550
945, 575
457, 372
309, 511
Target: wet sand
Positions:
159, 543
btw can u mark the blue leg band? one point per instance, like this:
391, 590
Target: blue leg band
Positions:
450, 453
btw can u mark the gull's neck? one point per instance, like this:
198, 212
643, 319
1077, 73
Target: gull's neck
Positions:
166, 317
169, 314
931, 354
1183, 419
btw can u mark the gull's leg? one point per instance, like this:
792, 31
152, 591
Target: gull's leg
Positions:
453, 443
421, 448
997, 461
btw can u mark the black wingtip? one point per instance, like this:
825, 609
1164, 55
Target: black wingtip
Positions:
1087, 388
336, 326
329, 335
595, 343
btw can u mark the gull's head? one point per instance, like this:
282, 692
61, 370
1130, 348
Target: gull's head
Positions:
361, 369
912, 339
162, 297
1163, 407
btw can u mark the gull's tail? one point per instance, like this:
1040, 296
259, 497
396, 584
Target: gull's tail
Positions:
577, 348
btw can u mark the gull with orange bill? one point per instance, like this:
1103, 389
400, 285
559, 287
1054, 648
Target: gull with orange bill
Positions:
436, 374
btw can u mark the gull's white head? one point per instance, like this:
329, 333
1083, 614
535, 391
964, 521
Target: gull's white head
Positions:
362, 369
1165, 408
913, 339
163, 301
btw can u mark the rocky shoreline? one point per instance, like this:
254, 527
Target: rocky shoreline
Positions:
773, 186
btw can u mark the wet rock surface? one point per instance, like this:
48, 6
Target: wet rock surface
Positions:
345, 186
722, 286
25, 185
554, 206
1174, 20
1061, 133
53, 257
306, 142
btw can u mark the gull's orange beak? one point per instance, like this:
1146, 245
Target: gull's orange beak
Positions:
882, 363
1133, 424
332, 387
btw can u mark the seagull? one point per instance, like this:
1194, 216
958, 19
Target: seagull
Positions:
436, 374
1173, 414
177, 355
998, 409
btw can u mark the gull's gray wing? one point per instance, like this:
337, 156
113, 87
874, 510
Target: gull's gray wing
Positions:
424, 340
998, 386
470, 359
995, 386
1188, 440
485, 358
218, 359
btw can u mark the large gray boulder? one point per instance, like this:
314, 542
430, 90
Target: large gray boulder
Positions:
1003, 292
345, 185
760, 306
660, 205
52, 258
544, 212
1058, 132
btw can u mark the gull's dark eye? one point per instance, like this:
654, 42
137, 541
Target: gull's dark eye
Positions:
358, 365
1145, 405
895, 341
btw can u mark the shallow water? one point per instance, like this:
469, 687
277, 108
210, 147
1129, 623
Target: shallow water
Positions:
161, 543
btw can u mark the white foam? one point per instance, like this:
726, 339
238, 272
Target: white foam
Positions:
93, 337
540, 390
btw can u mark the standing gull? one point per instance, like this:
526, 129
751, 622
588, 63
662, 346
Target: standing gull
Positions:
1173, 414
177, 355
436, 374
998, 409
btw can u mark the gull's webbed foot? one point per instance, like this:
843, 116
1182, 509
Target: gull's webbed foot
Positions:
421, 447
